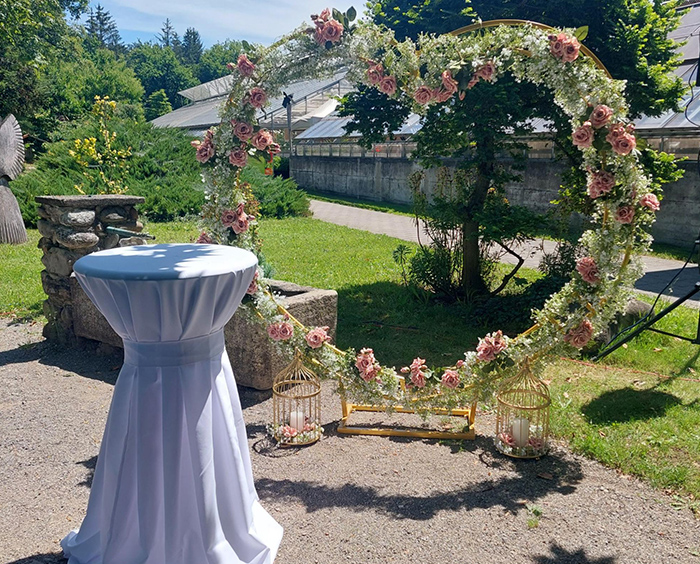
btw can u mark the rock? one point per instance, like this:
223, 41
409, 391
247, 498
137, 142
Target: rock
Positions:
66, 316
45, 244
114, 214
46, 228
131, 241
635, 310
109, 240
79, 219
56, 288
90, 201
75, 239
59, 261
52, 213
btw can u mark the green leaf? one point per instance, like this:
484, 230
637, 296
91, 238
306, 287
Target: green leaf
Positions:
351, 13
337, 15
581, 33
245, 45
642, 143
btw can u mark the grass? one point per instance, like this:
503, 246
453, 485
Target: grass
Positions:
640, 412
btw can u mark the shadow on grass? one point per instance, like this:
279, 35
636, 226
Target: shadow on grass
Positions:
524, 482
560, 555
629, 404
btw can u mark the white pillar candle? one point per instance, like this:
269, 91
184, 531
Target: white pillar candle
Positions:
521, 431
296, 420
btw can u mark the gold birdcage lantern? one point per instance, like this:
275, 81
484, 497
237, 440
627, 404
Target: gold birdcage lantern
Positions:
522, 420
296, 405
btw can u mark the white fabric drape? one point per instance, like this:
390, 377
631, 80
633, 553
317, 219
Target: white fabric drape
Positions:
173, 482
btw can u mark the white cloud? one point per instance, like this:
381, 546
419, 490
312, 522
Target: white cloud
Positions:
222, 19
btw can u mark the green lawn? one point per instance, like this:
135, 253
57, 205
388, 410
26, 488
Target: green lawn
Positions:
640, 412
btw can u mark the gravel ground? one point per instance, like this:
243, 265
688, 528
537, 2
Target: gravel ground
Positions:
345, 499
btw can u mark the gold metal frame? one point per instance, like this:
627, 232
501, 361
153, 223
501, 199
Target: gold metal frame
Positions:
345, 428
493, 23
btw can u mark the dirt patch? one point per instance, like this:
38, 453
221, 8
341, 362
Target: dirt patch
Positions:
344, 499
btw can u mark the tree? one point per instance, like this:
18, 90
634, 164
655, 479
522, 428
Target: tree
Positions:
102, 30
640, 27
213, 61
168, 37
191, 50
33, 35
157, 105
158, 68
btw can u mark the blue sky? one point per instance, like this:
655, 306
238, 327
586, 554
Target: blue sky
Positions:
216, 20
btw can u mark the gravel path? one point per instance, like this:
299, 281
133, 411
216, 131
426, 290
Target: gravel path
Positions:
345, 499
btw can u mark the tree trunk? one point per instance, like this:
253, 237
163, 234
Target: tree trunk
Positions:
11, 224
472, 283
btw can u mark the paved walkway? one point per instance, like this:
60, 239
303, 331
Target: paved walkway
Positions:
657, 272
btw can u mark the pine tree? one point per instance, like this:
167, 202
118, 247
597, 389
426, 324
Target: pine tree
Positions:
168, 36
102, 29
191, 47
157, 105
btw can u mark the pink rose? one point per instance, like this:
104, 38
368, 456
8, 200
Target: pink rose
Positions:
204, 238
624, 214
253, 287
325, 15
241, 224
230, 66
286, 331
460, 363
486, 72
583, 136
372, 373
417, 365
449, 83
333, 31
262, 139
423, 95
418, 379
556, 45
624, 144
579, 336
473, 82
490, 346
601, 182
388, 85
274, 148
571, 50
600, 116
228, 217
257, 97
318, 35
273, 331
365, 360
245, 67
442, 95
650, 201
375, 74
461, 95
316, 337
450, 379
205, 151
588, 270
238, 157
616, 130
242, 130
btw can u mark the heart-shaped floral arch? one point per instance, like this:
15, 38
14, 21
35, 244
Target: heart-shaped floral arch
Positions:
437, 70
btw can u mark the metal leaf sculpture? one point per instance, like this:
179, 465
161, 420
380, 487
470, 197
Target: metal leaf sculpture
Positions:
11, 160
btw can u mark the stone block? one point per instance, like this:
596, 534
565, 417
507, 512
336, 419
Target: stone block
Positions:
78, 219
114, 214
59, 261
109, 240
255, 359
46, 228
75, 239
56, 288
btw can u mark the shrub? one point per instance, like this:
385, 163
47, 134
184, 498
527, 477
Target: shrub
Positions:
279, 197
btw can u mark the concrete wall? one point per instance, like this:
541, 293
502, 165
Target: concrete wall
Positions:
385, 179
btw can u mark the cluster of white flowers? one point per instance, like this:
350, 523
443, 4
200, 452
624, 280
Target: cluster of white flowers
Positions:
437, 70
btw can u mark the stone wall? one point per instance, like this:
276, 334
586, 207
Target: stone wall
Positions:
72, 227
385, 179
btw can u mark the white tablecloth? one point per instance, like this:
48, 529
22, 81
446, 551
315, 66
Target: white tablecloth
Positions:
173, 482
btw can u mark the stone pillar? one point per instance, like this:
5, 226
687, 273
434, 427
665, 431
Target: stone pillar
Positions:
72, 227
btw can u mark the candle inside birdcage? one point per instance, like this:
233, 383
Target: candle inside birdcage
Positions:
522, 420
296, 405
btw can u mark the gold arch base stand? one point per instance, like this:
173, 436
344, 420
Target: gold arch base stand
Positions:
346, 428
